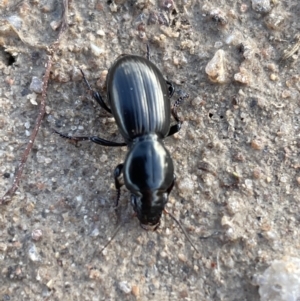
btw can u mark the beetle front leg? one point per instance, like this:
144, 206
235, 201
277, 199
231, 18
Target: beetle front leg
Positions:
170, 88
118, 184
172, 185
176, 127
94, 139
96, 95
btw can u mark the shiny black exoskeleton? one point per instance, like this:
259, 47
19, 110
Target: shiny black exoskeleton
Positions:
139, 100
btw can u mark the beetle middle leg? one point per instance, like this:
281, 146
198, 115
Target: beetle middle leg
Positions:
94, 139
118, 183
96, 95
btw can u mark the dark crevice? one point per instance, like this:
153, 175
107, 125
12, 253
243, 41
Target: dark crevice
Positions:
6, 57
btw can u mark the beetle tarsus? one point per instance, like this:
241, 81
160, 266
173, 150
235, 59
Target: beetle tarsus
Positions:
94, 139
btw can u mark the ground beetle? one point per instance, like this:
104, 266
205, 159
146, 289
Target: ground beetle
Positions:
139, 99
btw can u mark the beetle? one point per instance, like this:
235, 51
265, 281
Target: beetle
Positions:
138, 97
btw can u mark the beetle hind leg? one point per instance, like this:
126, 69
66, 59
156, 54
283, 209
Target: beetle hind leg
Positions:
96, 95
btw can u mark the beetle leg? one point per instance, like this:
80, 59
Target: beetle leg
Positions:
94, 139
170, 88
176, 127
96, 95
172, 185
118, 184
148, 52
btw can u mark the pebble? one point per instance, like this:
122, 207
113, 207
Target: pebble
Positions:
36, 85
261, 6
135, 291
124, 287
33, 254
32, 98
280, 281
257, 144
97, 51
274, 21
37, 234
215, 69
15, 21
286, 94
273, 77
242, 77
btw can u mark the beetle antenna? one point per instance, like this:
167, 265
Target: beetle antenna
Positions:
182, 229
148, 52
112, 237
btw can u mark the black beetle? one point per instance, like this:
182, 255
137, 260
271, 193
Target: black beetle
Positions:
139, 99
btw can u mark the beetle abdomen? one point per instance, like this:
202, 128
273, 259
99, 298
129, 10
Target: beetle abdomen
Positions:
138, 97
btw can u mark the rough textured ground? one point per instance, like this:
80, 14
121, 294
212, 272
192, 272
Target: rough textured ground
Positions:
236, 158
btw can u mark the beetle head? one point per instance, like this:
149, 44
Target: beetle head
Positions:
149, 207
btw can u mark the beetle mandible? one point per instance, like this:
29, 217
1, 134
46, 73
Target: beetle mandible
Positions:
138, 97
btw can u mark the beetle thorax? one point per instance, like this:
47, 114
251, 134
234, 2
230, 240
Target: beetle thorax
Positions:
148, 166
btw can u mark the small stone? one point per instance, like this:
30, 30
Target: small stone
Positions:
33, 254
215, 68
182, 257
15, 21
273, 77
261, 6
281, 281
103, 158
55, 24
257, 173
218, 16
166, 4
274, 21
97, 51
257, 144
27, 125
36, 85
94, 274
48, 6
50, 284
3, 246
135, 291
286, 94
124, 287
113, 7
101, 82
242, 77
37, 234
32, 98
243, 7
